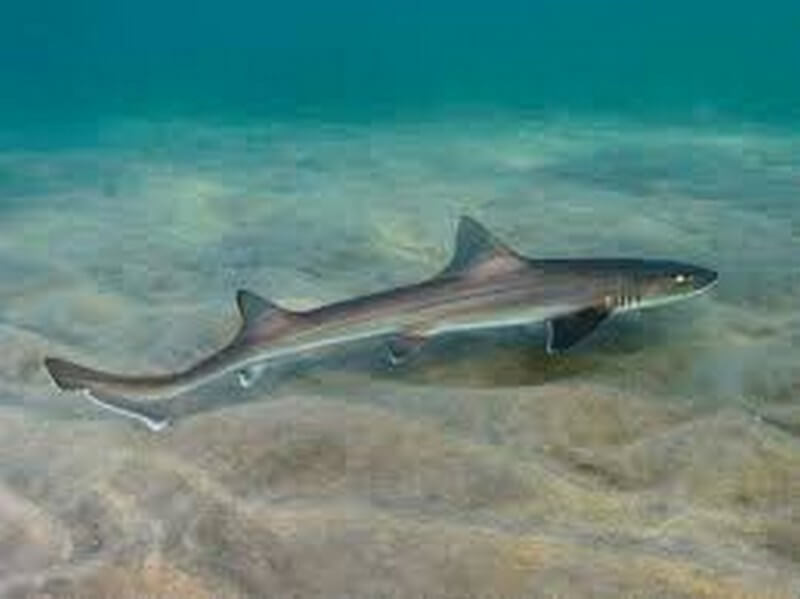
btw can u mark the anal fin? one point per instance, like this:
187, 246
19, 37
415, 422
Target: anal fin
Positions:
404, 346
565, 331
250, 374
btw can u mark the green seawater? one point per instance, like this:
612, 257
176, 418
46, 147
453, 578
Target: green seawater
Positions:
363, 60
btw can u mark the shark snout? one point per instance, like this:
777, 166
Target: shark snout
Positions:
704, 278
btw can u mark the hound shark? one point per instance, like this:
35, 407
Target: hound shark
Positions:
486, 284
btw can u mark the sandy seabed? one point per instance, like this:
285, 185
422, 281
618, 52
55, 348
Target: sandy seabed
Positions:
659, 459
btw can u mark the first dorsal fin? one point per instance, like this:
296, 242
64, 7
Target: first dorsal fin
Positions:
476, 246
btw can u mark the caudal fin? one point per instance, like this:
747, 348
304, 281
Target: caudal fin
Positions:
148, 415
69, 376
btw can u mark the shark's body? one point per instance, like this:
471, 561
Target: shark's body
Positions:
486, 284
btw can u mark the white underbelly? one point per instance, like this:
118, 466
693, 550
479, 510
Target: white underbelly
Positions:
515, 318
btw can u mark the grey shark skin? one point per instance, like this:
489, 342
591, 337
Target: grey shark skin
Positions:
486, 284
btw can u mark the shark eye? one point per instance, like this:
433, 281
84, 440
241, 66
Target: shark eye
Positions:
682, 278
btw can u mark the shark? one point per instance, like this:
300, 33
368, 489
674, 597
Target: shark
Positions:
486, 284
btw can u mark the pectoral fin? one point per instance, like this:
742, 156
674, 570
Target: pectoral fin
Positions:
566, 331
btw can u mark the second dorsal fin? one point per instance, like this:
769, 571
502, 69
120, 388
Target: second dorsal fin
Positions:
476, 246
254, 307
260, 314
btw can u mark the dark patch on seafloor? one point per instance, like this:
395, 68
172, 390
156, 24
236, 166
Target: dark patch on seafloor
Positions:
511, 357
